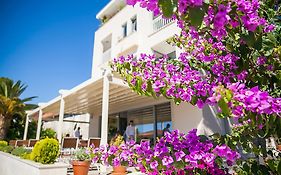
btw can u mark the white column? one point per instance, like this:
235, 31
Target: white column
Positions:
105, 101
61, 115
26, 127
39, 123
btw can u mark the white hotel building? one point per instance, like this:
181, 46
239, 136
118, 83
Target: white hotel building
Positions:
106, 102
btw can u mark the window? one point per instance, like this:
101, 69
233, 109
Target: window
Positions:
124, 30
134, 24
147, 126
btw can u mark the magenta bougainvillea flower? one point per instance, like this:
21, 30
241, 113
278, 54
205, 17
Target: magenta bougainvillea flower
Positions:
175, 151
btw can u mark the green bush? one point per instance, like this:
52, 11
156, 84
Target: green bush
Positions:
3, 143
48, 133
6, 149
26, 156
45, 151
20, 151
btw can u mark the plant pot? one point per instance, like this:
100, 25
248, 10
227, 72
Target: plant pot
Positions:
119, 170
279, 147
80, 167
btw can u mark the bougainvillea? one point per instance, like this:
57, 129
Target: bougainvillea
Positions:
175, 153
229, 58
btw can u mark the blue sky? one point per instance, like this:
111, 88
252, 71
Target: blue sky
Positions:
47, 44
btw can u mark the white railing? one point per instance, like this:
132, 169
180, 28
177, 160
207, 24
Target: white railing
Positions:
159, 23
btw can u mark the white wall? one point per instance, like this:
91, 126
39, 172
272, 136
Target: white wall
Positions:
68, 127
185, 116
12, 165
143, 40
94, 127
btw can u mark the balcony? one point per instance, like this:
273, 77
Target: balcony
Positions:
159, 23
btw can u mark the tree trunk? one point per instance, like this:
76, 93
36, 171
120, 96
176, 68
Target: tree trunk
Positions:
4, 125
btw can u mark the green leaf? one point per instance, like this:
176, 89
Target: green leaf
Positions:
194, 100
228, 95
258, 43
250, 39
279, 166
196, 15
224, 107
168, 7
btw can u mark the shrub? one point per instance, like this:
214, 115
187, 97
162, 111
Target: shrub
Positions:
3, 143
49, 132
26, 156
45, 151
6, 149
20, 151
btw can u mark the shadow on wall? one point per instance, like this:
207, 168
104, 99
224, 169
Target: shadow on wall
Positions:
211, 124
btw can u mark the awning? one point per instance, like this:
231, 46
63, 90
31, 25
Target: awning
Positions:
87, 98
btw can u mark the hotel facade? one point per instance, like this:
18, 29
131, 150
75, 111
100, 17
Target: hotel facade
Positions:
105, 104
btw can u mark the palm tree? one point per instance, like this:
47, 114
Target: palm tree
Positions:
11, 104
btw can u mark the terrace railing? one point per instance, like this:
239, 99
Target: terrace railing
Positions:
159, 23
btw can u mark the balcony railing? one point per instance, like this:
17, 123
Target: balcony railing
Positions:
159, 23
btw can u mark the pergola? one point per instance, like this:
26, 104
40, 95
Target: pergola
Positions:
103, 96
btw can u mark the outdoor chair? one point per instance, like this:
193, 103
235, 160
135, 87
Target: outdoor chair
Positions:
69, 145
83, 143
32, 142
22, 143
94, 141
12, 143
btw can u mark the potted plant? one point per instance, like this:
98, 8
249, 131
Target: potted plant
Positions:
117, 155
118, 140
81, 162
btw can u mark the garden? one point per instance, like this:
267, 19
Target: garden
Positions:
45, 151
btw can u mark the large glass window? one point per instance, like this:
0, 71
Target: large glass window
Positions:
144, 120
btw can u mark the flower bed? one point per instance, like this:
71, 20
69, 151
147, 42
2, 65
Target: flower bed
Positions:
45, 152
11, 165
175, 153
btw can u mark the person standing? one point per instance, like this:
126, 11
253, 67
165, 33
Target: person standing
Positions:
167, 129
77, 133
130, 131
